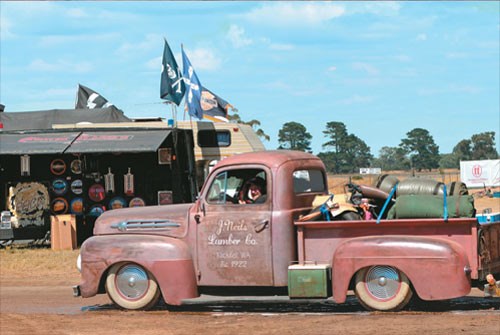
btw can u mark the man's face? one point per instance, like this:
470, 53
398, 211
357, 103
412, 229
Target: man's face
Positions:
255, 191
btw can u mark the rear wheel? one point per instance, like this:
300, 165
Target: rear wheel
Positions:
130, 286
382, 288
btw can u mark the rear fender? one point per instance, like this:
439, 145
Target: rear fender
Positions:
167, 258
437, 268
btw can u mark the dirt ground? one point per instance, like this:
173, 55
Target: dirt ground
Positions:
38, 300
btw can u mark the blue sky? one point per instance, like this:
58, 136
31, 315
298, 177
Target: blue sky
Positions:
382, 68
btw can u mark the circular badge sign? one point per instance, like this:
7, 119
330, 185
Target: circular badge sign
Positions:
137, 202
59, 206
57, 167
117, 203
76, 186
96, 210
59, 186
76, 206
76, 166
96, 192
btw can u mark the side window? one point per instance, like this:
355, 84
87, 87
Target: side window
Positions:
305, 181
235, 187
214, 138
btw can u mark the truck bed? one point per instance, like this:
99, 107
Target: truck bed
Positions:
318, 239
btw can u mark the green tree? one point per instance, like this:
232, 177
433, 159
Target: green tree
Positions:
420, 146
336, 132
462, 151
255, 124
349, 151
392, 158
357, 153
483, 146
294, 136
449, 161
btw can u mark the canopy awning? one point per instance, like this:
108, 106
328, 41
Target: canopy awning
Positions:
118, 141
36, 143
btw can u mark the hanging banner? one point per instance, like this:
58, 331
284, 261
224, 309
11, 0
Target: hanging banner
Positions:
485, 173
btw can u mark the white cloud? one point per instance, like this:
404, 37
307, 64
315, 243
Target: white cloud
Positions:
380, 8
357, 99
421, 37
60, 66
281, 47
332, 68
451, 89
203, 59
370, 69
76, 13
149, 42
60, 92
294, 14
237, 37
5, 28
457, 55
155, 64
402, 58
51, 40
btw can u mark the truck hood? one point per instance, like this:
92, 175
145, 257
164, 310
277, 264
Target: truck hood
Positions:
170, 220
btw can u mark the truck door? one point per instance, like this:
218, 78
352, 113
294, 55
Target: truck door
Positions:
234, 236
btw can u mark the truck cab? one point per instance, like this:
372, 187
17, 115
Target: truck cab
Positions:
253, 244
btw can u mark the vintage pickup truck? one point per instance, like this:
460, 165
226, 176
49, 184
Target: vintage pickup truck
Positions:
219, 246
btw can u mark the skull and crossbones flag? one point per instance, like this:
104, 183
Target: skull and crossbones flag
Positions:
172, 85
87, 98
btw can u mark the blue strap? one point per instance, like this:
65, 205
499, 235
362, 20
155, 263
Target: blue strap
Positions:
389, 198
445, 205
325, 211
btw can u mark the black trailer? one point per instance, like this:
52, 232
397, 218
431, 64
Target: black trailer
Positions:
86, 171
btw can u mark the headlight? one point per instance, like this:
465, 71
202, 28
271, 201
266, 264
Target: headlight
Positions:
79, 263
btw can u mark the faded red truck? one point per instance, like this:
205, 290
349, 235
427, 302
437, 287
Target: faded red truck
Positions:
220, 246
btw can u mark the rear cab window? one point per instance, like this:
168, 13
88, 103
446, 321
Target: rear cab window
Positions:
308, 181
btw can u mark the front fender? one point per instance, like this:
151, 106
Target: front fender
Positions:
167, 258
437, 268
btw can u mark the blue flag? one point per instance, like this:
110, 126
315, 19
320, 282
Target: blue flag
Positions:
171, 84
193, 88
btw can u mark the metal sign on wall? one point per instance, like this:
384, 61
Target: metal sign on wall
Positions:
480, 173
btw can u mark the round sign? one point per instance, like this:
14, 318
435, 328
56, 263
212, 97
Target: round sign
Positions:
136, 202
96, 210
76, 166
59, 206
57, 167
76, 186
96, 192
76, 206
117, 203
59, 186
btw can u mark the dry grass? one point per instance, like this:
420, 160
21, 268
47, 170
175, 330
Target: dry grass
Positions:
37, 262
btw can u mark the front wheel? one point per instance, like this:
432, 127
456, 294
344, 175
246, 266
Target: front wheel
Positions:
130, 286
382, 288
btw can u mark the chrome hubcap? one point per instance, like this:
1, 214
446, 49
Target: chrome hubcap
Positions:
383, 282
132, 281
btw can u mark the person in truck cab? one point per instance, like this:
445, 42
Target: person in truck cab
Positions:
254, 191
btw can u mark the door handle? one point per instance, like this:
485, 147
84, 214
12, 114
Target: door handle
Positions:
261, 226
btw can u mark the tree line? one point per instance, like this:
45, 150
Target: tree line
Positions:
346, 153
